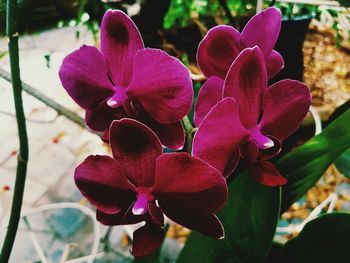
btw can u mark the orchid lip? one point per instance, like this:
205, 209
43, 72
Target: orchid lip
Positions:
140, 206
262, 141
117, 99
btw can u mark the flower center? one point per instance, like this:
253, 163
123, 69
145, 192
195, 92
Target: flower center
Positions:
117, 99
262, 141
140, 206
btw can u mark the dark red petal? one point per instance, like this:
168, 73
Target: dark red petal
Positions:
218, 50
136, 147
249, 152
274, 64
262, 30
162, 84
209, 94
104, 183
267, 174
286, 104
231, 164
181, 178
171, 135
146, 240
271, 152
120, 40
156, 214
206, 224
122, 218
219, 135
83, 74
246, 82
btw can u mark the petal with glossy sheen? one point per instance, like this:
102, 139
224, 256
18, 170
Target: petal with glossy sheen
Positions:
286, 104
103, 182
262, 30
246, 82
120, 40
146, 240
219, 135
136, 147
274, 64
218, 50
181, 178
121, 218
209, 94
84, 76
162, 84
267, 174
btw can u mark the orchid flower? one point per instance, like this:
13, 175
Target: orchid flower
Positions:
125, 79
222, 45
141, 183
251, 120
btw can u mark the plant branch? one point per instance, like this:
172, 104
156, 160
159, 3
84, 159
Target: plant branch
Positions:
11, 31
227, 11
189, 130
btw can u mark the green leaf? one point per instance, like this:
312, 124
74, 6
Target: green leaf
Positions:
305, 165
249, 217
345, 3
343, 163
323, 240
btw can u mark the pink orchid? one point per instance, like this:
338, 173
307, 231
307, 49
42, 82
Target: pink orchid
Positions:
250, 120
222, 45
125, 79
141, 183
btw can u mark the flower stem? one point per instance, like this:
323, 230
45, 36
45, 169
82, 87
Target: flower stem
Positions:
189, 130
11, 31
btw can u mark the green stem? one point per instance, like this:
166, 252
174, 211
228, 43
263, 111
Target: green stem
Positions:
189, 130
11, 21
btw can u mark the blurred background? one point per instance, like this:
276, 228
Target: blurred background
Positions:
314, 40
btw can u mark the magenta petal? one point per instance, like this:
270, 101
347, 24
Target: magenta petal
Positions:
209, 94
103, 182
246, 82
267, 174
84, 76
274, 64
219, 135
286, 103
183, 179
218, 50
262, 30
136, 147
120, 39
124, 217
146, 240
162, 84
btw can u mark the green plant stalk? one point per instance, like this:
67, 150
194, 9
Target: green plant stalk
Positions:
189, 130
11, 31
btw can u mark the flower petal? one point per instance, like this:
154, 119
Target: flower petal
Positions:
120, 39
156, 214
219, 135
181, 178
146, 240
218, 50
103, 182
267, 174
262, 30
121, 218
171, 135
209, 94
274, 64
162, 84
136, 147
84, 76
286, 103
246, 82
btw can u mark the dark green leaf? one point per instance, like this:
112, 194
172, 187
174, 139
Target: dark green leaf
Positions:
305, 165
343, 163
323, 240
249, 217
345, 3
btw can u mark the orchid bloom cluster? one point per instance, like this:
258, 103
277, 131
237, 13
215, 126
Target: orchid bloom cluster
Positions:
135, 98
